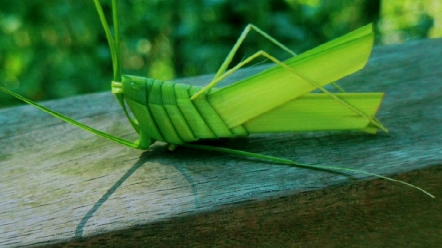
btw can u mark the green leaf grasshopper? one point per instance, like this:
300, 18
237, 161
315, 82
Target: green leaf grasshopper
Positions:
278, 99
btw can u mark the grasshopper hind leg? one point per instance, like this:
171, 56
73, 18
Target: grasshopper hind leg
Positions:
222, 70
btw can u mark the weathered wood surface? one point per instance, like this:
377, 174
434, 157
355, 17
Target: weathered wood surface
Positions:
61, 184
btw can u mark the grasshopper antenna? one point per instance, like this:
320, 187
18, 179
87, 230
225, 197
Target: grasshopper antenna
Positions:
114, 46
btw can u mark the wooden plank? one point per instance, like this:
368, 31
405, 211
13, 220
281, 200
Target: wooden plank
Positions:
362, 214
61, 184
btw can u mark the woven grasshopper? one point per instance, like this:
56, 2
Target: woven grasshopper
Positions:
276, 100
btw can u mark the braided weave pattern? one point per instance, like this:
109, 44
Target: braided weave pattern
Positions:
166, 113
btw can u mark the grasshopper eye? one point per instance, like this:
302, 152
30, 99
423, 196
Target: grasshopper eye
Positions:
136, 86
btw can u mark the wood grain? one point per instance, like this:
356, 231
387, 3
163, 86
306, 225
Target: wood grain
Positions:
59, 184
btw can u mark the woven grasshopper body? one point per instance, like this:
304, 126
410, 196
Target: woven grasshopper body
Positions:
165, 112
276, 100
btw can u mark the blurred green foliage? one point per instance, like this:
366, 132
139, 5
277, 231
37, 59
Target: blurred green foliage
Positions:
56, 48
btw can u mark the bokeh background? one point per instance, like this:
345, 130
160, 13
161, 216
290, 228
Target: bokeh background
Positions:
56, 48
